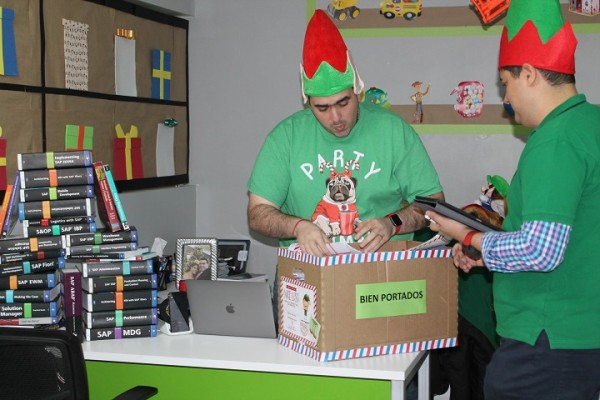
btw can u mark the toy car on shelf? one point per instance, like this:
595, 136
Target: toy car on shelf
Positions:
489, 10
409, 9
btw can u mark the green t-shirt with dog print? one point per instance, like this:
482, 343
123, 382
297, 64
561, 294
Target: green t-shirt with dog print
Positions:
375, 170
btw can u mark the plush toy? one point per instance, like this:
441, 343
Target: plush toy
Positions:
491, 206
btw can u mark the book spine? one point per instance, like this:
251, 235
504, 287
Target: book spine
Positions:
33, 321
101, 248
120, 332
119, 318
31, 256
36, 178
119, 283
57, 221
116, 197
33, 281
92, 269
31, 244
56, 230
11, 212
32, 267
29, 310
29, 295
55, 208
108, 301
56, 193
105, 201
51, 160
102, 238
5, 201
72, 299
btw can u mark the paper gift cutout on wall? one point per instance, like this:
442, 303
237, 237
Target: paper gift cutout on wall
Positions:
127, 158
165, 151
125, 80
161, 74
8, 52
79, 137
469, 99
76, 54
2, 161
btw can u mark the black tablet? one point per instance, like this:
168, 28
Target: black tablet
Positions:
448, 210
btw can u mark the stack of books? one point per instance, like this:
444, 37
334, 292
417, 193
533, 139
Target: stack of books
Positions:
29, 281
119, 297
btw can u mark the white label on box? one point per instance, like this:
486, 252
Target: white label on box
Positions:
298, 307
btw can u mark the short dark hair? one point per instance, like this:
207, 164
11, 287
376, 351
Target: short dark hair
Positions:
554, 78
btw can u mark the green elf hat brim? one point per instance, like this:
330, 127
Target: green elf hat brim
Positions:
328, 81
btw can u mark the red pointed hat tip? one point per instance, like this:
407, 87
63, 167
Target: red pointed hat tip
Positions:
323, 42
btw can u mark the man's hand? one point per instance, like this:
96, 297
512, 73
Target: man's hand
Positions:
375, 233
462, 261
312, 239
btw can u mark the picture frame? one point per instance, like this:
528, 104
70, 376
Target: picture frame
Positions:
232, 256
191, 257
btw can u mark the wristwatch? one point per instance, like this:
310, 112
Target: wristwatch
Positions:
469, 250
396, 222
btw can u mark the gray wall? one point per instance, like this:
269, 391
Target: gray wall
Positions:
244, 79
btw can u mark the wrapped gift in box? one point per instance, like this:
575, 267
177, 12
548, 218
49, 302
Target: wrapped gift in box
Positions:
127, 163
79, 137
355, 305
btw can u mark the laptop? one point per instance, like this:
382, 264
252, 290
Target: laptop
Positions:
231, 308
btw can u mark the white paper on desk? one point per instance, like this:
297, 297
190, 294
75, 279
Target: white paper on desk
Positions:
125, 83
159, 246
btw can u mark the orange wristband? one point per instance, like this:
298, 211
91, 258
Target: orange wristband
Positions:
296, 225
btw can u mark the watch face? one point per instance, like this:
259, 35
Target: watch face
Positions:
396, 221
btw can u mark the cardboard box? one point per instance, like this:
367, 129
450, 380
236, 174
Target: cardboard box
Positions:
358, 305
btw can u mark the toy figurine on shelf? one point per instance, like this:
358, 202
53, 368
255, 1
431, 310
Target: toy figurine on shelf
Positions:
417, 98
376, 96
341, 10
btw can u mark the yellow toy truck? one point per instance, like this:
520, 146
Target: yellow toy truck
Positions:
343, 9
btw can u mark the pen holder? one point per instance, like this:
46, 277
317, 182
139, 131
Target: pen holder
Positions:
162, 269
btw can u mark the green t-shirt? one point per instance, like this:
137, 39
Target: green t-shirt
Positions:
557, 180
379, 166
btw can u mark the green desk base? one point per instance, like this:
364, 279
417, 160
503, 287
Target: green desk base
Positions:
108, 379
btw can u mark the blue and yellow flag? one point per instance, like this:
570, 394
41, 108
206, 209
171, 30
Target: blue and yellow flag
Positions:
161, 74
8, 52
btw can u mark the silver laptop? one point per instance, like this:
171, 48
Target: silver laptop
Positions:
231, 308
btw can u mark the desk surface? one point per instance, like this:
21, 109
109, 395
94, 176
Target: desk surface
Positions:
246, 354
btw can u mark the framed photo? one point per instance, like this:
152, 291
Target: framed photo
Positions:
232, 256
196, 259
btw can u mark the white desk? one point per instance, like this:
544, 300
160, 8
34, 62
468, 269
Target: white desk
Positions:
261, 355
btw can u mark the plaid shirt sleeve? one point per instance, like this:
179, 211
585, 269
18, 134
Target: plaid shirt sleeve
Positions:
539, 246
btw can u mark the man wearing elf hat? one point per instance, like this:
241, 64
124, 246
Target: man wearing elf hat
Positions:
339, 170
546, 265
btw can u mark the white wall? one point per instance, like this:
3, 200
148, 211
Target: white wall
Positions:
244, 65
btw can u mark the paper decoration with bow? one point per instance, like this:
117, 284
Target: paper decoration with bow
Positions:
8, 52
127, 149
161, 74
79, 137
2, 161
165, 150
125, 78
76, 54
